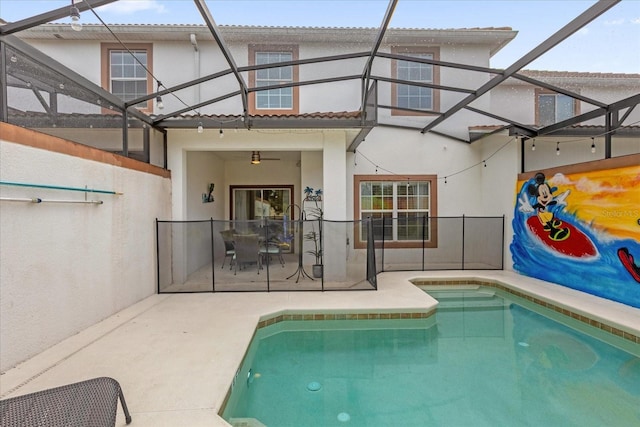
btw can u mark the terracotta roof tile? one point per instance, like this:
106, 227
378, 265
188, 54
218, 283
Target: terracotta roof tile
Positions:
315, 115
569, 74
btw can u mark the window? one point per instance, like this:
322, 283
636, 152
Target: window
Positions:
415, 97
124, 73
406, 206
273, 101
554, 107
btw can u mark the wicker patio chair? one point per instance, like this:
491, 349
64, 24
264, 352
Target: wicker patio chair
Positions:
90, 403
247, 251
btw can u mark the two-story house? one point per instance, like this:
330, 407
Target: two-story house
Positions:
386, 122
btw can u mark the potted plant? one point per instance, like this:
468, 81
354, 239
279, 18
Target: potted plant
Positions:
315, 236
316, 268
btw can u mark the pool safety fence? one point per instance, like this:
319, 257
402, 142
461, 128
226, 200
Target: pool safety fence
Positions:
422, 243
269, 255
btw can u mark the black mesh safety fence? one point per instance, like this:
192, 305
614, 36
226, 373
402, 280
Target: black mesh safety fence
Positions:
261, 256
439, 243
318, 255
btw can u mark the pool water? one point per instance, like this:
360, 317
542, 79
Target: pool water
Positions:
482, 360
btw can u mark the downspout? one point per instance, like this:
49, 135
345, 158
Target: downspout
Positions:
196, 63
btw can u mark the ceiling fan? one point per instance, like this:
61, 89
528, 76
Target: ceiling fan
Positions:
256, 158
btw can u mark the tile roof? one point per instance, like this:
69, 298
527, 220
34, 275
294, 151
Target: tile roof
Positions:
572, 74
314, 115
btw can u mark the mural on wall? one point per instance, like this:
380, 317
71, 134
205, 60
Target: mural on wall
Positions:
582, 231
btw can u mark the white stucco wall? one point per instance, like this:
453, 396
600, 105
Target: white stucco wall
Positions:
65, 267
238, 172
498, 183
388, 151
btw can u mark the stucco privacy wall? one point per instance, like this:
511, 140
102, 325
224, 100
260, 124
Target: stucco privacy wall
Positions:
66, 266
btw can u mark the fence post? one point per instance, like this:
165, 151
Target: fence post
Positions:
213, 270
264, 223
320, 230
424, 220
383, 226
158, 256
372, 271
463, 241
502, 249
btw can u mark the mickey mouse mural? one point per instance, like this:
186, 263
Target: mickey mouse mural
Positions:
580, 245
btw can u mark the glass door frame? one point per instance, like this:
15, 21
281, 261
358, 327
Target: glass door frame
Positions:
232, 188
291, 212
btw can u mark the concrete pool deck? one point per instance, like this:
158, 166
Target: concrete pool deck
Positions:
175, 355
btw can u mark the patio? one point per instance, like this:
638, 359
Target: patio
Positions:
175, 356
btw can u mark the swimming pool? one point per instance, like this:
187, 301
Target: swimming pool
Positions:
485, 359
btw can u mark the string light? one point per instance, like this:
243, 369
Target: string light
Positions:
533, 145
159, 102
221, 133
558, 148
74, 13
593, 145
445, 179
200, 127
485, 163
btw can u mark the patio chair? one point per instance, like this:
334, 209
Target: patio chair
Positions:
247, 249
229, 249
92, 402
271, 248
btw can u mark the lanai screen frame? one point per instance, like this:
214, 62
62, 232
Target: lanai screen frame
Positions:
366, 119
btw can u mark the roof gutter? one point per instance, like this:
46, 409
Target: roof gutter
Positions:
196, 63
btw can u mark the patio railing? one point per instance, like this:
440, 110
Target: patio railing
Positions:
192, 256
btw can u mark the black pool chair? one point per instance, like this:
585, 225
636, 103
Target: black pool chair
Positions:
90, 403
229, 248
247, 251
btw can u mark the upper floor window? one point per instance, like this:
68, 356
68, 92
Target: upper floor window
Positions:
415, 97
406, 206
273, 101
554, 107
126, 73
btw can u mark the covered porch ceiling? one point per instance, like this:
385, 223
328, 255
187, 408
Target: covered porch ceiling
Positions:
361, 121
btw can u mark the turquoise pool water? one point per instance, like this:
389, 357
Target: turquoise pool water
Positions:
483, 360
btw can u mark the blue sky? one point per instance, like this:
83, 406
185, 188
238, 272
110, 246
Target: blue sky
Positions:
614, 37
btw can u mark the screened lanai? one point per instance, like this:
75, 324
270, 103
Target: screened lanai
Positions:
67, 97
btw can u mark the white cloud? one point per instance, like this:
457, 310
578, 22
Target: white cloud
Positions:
586, 185
635, 21
615, 22
560, 179
128, 7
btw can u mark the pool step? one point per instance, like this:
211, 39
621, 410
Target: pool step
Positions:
246, 422
467, 299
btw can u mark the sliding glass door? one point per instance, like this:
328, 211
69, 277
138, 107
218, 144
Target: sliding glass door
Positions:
269, 203
251, 203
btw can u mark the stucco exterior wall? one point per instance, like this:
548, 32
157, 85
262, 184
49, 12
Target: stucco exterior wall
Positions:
67, 266
409, 152
516, 100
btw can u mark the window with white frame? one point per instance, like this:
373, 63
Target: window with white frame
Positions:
554, 107
415, 97
410, 97
127, 73
405, 206
271, 99
277, 100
